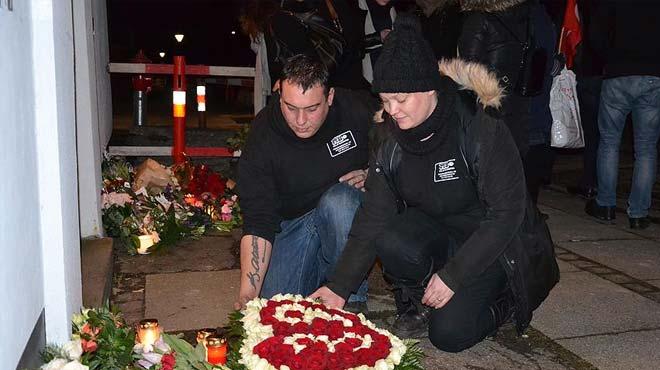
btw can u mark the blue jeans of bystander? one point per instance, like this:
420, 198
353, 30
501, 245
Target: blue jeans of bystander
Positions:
620, 96
307, 248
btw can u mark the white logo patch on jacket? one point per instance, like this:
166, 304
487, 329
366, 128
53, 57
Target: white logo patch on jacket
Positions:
341, 143
445, 171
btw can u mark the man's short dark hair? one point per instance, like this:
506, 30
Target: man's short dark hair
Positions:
306, 72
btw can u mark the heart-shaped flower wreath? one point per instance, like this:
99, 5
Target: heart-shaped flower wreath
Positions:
290, 332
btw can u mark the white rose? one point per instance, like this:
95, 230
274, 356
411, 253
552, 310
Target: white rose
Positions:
75, 365
56, 364
381, 365
73, 349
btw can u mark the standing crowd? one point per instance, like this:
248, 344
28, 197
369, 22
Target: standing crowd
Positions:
416, 135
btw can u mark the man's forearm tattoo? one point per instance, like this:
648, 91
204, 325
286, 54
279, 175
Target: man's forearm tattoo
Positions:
254, 275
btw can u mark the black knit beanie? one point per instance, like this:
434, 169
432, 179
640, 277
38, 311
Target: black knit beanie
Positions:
406, 62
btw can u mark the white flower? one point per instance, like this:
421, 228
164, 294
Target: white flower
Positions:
75, 365
56, 364
73, 349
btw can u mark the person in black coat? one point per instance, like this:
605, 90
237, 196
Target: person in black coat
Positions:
493, 34
441, 25
445, 208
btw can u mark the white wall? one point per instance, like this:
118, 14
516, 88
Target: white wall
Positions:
93, 107
39, 227
52, 37
21, 274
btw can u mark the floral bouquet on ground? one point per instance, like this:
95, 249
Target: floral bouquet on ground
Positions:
290, 332
155, 206
100, 340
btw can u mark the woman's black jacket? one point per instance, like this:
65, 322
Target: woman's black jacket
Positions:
511, 232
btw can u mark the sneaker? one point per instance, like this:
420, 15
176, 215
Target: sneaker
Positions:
412, 324
603, 213
357, 307
639, 223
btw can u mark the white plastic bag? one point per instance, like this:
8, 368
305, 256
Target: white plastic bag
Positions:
566, 129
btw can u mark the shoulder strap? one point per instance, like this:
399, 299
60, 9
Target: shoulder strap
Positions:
333, 16
524, 43
388, 160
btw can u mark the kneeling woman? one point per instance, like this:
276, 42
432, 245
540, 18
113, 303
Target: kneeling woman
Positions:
446, 208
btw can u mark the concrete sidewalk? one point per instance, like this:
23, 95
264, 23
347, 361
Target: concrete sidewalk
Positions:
604, 313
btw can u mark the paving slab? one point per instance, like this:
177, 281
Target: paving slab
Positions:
565, 267
637, 258
631, 350
584, 304
208, 253
503, 353
566, 227
191, 300
654, 282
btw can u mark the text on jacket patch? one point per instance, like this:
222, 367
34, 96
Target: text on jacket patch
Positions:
341, 143
445, 171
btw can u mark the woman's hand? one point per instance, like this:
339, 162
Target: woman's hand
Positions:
328, 297
437, 293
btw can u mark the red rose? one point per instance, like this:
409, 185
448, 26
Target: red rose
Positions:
300, 327
335, 330
296, 362
334, 362
168, 361
366, 356
304, 341
294, 314
353, 342
319, 326
315, 360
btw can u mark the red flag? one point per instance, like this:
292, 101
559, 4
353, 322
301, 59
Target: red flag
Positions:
571, 32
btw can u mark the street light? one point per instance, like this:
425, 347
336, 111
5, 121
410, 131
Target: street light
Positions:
178, 37
162, 54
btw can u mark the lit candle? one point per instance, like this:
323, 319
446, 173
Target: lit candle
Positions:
216, 350
149, 332
203, 334
146, 241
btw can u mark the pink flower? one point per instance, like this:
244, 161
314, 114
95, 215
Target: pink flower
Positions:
226, 209
115, 198
225, 217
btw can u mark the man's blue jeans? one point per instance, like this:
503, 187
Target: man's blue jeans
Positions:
307, 248
620, 96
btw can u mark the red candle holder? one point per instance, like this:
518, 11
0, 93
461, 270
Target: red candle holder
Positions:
216, 350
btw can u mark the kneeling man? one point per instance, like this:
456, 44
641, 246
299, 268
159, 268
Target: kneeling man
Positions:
300, 179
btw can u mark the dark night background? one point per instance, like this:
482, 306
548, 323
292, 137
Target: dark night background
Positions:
151, 24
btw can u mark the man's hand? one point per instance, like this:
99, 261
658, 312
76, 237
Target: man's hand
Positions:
437, 293
355, 178
243, 298
328, 297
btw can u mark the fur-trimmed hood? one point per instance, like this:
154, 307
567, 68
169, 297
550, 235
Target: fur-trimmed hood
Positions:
489, 6
469, 76
475, 77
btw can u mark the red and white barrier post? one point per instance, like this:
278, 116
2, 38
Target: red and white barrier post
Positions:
201, 103
179, 109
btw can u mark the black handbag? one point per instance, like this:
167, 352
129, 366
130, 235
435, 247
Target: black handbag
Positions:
325, 37
328, 43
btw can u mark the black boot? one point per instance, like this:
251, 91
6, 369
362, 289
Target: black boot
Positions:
502, 310
412, 319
